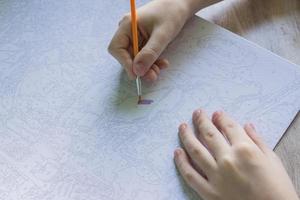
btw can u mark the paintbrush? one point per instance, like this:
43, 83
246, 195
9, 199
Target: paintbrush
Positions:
134, 27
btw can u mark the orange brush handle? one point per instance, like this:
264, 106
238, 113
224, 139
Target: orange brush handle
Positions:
134, 28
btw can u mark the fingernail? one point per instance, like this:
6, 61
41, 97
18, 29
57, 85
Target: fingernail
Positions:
182, 127
216, 115
140, 69
177, 152
197, 113
252, 126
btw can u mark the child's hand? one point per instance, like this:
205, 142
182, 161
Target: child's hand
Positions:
226, 161
158, 23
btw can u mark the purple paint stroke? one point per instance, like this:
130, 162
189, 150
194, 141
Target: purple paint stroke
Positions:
145, 102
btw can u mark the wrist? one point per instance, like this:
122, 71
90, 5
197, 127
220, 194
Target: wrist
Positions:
180, 8
193, 6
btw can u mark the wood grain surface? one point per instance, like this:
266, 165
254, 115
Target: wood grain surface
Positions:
274, 25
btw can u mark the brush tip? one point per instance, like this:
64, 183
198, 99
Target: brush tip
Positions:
139, 99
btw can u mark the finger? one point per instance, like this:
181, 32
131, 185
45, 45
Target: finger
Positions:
154, 72
251, 132
150, 52
195, 149
118, 48
126, 62
162, 63
231, 129
209, 134
156, 69
150, 76
190, 175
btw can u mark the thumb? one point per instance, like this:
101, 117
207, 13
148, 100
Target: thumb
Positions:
150, 53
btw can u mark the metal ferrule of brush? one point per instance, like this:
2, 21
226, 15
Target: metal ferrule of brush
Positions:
139, 86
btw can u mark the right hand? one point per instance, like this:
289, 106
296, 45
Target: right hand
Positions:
158, 22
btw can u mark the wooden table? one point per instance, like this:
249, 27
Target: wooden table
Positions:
274, 25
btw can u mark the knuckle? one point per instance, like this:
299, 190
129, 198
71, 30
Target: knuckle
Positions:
125, 19
229, 125
188, 176
247, 153
227, 162
196, 152
163, 37
151, 51
210, 134
244, 149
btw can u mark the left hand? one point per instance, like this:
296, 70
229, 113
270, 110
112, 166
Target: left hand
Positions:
229, 162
